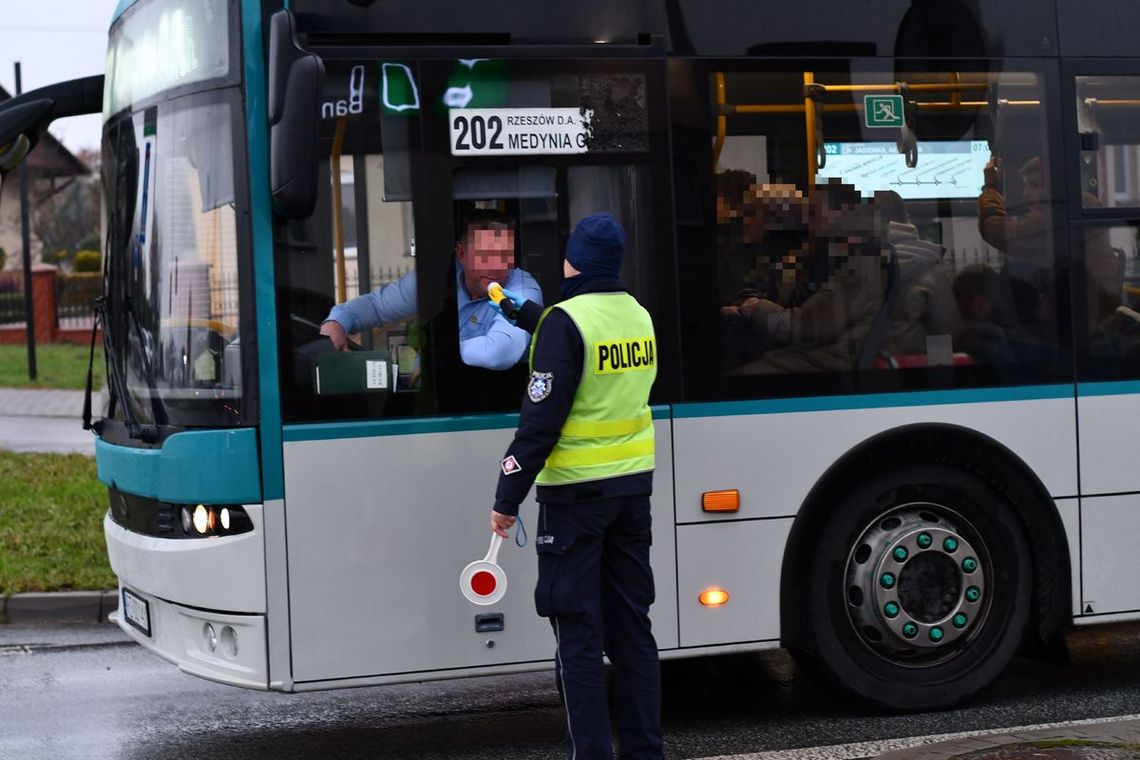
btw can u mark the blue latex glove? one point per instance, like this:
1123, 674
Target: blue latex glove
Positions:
517, 302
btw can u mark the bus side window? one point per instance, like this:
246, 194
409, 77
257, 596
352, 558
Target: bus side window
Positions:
1108, 122
845, 260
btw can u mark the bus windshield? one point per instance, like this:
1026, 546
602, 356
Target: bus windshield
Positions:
171, 230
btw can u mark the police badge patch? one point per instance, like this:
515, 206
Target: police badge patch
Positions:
540, 385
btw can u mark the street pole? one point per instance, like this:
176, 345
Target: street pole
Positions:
29, 311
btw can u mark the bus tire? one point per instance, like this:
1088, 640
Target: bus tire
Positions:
919, 588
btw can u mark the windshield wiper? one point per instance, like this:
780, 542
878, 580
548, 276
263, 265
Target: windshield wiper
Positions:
147, 432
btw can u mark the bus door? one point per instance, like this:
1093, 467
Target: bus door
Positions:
440, 175
1102, 139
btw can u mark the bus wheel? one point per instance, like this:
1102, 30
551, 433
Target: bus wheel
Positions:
921, 588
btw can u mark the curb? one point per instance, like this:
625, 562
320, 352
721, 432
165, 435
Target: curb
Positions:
58, 607
1088, 738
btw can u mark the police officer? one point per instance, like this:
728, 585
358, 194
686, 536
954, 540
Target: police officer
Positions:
585, 437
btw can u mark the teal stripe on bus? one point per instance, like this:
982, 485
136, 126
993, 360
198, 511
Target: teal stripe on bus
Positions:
123, 6
1115, 388
192, 467
261, 228
329, 431
326, 431
873, 401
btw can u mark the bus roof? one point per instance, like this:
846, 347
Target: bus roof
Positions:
895, 28
887, 28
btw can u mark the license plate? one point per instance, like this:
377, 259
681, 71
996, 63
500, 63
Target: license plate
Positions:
137, 611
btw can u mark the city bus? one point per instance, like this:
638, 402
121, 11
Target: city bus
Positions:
891, 258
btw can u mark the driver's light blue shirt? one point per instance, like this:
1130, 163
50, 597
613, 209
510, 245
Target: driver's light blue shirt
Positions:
486, 338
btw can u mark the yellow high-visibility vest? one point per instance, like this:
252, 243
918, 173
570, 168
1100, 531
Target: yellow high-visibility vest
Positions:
609, 431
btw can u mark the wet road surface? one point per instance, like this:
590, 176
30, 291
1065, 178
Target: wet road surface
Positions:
84, 692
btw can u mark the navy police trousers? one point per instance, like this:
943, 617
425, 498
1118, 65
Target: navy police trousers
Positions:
595, 585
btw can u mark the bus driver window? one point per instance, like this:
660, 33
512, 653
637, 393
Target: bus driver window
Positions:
484, 253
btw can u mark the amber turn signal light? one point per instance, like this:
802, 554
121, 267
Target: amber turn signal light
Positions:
713, 597
721, 501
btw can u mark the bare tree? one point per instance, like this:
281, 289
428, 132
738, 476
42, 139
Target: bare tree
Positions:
65, 214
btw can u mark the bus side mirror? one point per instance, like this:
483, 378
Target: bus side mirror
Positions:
20, 128
295, 82
24, 118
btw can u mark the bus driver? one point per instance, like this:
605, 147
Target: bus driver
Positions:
485, 254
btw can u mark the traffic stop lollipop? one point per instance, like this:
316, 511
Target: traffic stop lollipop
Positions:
483, 582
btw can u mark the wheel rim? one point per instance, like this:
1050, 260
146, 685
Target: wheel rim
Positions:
918, 584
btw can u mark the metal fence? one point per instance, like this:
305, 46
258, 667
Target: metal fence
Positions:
11, 298
75, 295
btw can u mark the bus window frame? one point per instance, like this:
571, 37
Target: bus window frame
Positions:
114, 429
1081, 219
437, 168
1070, 70
861, 382
433, 167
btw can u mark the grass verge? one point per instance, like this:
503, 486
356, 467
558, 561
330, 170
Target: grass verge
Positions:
51, 524
58, 365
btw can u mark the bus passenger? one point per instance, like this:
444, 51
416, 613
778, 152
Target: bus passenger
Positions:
485, 254
978, 291
925, 304
1023, 238
585, 436
758, 248
839, 271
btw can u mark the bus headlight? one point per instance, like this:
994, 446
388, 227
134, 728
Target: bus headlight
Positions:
202, 519
151, 517
207, 520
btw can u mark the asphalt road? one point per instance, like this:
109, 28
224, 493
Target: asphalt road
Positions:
81, 692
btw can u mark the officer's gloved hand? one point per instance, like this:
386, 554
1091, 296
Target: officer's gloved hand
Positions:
511, 314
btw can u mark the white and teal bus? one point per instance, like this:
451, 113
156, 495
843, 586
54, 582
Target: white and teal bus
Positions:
892, 428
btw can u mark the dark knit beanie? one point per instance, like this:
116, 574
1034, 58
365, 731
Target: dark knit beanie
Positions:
596, 246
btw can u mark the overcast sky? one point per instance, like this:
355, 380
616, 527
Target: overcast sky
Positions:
56, 40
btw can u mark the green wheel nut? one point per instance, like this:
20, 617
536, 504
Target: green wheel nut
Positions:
950, 545
891, 610
969, 565
960, 620
900, 554
910, 630
887, 580
924, 540
936, 634
973, 593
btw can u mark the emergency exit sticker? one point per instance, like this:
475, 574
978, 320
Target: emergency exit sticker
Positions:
519, 131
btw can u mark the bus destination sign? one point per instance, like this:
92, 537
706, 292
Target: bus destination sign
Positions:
519, 131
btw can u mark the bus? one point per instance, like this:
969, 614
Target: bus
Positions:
891, 258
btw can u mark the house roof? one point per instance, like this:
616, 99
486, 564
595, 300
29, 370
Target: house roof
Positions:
49, 158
